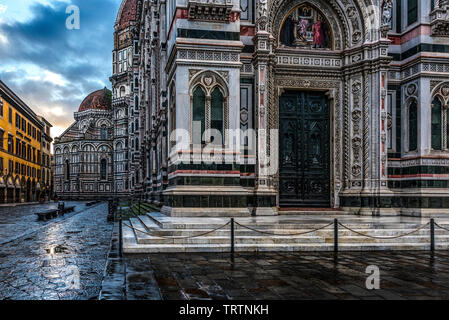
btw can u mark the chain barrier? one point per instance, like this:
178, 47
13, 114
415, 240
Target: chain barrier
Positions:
441, 227
284, 235
178, 237
384, 238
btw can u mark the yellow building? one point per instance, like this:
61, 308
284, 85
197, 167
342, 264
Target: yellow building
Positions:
20, 149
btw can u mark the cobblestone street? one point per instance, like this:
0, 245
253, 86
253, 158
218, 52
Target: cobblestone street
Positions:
45, 262
403, 275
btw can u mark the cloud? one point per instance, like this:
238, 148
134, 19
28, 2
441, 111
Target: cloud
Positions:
53, 68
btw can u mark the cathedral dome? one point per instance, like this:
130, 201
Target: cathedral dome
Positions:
100, 100
126, 14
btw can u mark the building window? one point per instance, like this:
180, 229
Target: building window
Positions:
1, 165
198, 115
413, 126
17, 121
10, 115
2, 134
10, 166
104, 133
216, 122
24, 125
1, 108
103, 168
10, 144
67, 170
412, 11
437, 121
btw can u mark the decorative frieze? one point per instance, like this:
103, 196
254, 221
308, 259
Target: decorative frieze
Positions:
204, 10
309, 61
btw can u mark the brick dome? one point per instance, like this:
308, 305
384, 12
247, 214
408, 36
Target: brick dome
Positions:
127, 13
100, 100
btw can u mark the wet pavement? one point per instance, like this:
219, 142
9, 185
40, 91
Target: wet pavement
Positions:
287, 276
63, 258
18, 220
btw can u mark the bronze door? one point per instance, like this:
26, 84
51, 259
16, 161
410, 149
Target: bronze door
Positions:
304, 149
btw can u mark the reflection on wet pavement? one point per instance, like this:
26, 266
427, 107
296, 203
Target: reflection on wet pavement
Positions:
62, 260
403, 275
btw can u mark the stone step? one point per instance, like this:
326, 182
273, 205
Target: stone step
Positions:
169, 248
145, 239
323, 233
208, 225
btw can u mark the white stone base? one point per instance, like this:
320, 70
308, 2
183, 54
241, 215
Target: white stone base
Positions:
266, 211
205, 212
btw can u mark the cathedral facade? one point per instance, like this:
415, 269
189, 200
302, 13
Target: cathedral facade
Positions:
83, 154
240, 107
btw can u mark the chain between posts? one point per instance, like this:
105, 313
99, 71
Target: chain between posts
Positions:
385, 238
178, 237
284, 235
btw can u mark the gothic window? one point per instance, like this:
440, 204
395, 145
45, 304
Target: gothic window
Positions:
67, 170
437, 124
306, 28
104, 132
103, 167
122, 91
216, 122
412, 11
199, 115
413, 126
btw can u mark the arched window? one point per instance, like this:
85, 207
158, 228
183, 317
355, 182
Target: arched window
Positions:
136, 103
103, 167
216, 112
122, 91
104, 132
137, 144
67, 170
413, 126
198, 115
437, 124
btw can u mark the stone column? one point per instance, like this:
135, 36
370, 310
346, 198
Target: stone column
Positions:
265, 194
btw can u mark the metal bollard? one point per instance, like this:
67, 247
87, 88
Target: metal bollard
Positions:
432, 235
232, 235
335, 235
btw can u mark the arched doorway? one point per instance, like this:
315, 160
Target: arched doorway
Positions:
304, 149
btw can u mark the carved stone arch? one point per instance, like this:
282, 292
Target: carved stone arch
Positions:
349, 19
442, 90
98, 149
208, 80
281, 8
102, 121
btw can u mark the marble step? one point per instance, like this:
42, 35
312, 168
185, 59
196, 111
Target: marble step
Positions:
287, 240
323, 233
210, 224
225, 248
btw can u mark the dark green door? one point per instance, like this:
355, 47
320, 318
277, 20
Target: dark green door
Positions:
304, 149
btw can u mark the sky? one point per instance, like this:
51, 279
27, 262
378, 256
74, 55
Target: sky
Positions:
51, 68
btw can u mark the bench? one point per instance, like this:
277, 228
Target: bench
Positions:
47, 214
68, 209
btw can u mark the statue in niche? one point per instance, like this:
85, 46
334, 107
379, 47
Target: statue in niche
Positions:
305, 28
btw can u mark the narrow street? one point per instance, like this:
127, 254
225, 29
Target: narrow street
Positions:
62, 258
